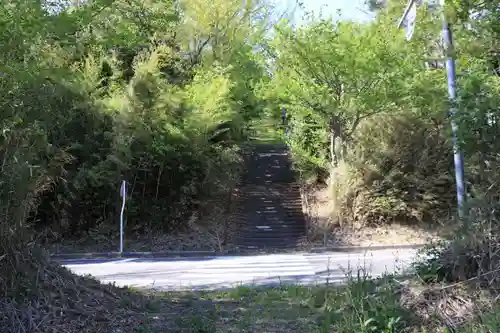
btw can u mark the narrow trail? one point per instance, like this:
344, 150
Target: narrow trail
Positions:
269, 207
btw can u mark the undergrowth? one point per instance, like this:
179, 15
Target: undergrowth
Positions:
471, 252
396, 168
44, 297
384, 305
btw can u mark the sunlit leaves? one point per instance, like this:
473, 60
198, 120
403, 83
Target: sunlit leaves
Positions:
209, 97
340, 69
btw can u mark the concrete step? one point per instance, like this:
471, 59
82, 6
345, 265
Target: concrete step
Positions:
272, 229
269, 207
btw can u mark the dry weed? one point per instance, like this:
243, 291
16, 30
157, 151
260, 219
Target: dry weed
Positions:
41, 296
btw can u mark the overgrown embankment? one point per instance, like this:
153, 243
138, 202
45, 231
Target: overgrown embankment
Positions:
101, 92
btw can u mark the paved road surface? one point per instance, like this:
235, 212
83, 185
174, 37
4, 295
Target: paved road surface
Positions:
223, 272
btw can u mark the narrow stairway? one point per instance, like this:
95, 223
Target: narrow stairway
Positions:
269, 209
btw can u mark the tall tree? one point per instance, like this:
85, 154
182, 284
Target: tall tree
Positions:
333, 75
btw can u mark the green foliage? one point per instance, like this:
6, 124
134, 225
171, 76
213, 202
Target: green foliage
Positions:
163, 93
336, 79
106, 91
366, 306
362, 305
489, 322
479, 126
396, 170
331, 76
384, 305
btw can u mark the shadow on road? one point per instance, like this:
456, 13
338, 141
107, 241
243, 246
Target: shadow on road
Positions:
92, 261
332, 276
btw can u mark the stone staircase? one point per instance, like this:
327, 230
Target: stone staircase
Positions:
269, 207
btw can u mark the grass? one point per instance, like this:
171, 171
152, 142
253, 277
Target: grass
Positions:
364, 305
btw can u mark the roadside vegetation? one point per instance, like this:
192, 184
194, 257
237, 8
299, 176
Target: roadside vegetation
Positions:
363, 305
167, 95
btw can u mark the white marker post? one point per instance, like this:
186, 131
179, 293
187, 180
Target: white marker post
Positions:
123, 194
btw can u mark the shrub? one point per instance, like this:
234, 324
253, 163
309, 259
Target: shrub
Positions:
79, 125
472, 251
397, 168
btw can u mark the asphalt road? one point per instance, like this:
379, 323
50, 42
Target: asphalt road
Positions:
208, 273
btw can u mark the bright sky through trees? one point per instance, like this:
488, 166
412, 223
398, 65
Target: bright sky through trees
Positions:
351, 9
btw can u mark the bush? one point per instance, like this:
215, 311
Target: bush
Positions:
76, 122
471, 252
308, 142
155, 136
397, 168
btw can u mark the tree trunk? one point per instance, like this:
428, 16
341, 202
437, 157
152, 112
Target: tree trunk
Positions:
333, 157
336, 142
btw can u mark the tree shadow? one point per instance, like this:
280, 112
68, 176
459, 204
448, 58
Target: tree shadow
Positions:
269, 210
289, 307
